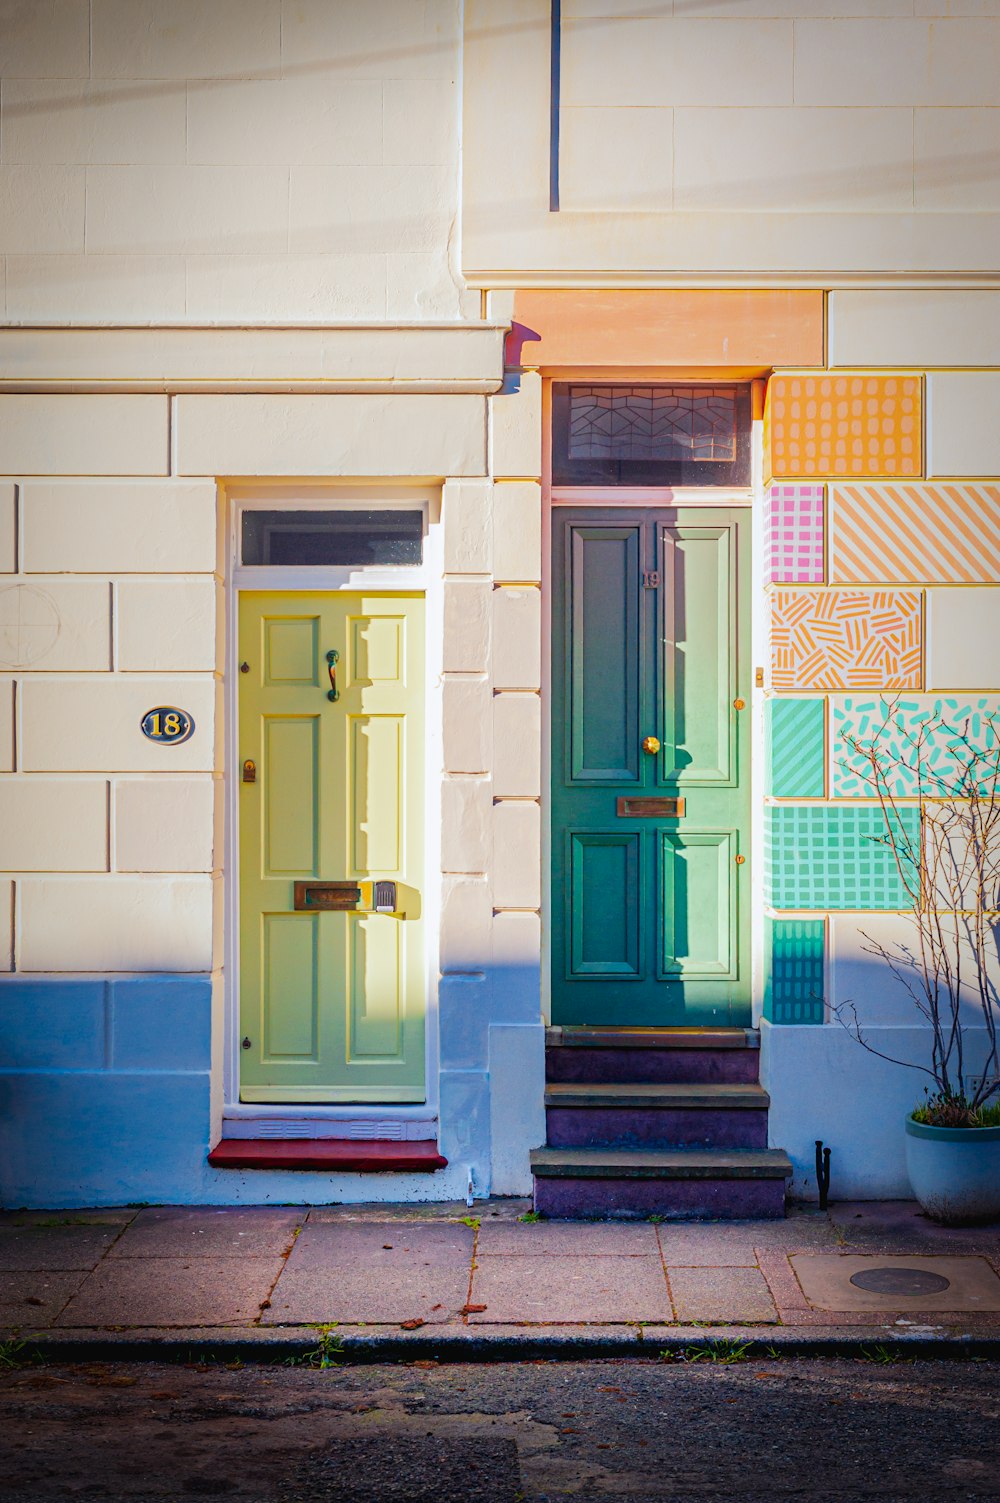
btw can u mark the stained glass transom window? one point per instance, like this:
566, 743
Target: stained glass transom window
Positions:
653, 422
630, 434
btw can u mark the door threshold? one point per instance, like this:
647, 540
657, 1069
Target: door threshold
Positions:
327, 1154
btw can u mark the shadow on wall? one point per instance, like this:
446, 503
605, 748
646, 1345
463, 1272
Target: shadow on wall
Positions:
824, 1084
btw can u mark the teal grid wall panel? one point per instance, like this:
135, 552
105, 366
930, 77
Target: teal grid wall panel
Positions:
793, 987
818, 857
795, 748
897, 723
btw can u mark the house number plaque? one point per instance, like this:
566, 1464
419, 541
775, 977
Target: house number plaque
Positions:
167, 725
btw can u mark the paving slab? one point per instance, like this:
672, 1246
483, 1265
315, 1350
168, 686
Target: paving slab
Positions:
54, 1246
172, 1292
901, 1283
407, 1292
880, 1226
732, 1295
87, 1216
360, 1246
209, 1232
382, 1273
35, 1298
734, 1244
576, 1238
556, 1288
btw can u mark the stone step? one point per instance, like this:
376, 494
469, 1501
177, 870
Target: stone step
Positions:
616, 1037
582, 1115
680, 1094
649, 1056
677, 1184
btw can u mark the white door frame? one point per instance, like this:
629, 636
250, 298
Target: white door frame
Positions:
418, 1121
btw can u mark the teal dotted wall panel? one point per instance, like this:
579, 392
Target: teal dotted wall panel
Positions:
793, 991
818, 857
796, 748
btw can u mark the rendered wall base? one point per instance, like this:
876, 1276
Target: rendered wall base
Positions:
106, 1099
517, 1104
823, 1084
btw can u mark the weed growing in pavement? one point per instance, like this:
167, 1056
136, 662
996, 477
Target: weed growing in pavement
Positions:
472, 1221
881, 1354
656, 1219
16, 1353
532, 1216
326, 1354
723, 1351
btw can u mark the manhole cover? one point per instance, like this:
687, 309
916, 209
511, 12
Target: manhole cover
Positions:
900, 1281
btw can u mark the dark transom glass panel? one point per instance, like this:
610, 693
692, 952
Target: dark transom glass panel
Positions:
332, 537
651, 435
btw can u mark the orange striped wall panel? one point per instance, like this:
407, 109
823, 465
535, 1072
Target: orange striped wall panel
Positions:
915, 534
843, 425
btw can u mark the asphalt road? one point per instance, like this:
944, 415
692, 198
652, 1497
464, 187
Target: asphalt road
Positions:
530, 1432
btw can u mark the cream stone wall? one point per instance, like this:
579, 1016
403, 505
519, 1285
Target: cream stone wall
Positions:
238, 160
758, 140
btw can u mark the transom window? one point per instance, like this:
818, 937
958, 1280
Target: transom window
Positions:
330, 538
651, 435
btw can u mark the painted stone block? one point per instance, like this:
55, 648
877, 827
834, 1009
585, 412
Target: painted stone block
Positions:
793, 534
845, 639
970, 727
844, 425
836, 858
933, 534
794, 961
796, 759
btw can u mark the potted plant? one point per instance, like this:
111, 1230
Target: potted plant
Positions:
947, 855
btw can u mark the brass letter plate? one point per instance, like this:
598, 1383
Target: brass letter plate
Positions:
650, 808
342, 897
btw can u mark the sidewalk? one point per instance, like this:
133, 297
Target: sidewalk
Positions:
441, 1281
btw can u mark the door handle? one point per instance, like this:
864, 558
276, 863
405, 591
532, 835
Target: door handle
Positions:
651, 745
332, 659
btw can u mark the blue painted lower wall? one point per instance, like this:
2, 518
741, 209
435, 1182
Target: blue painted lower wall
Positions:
104, 1089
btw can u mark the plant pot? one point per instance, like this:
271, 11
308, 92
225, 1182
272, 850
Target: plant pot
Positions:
955, 1171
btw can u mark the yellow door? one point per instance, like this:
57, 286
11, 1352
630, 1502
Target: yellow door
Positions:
331, 748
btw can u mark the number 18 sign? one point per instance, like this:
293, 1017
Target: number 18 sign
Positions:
167, 725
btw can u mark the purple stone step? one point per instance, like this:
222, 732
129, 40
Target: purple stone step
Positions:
654, 1127
656, 1116
666, 1066
674, 1200
618, 1182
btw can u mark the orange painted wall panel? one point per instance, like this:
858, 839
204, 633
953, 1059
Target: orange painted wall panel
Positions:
756, 328
843, 425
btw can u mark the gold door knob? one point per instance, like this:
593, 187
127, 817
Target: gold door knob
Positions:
651, 745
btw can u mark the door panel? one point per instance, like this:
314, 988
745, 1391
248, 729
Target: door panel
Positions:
605, 908
697, 681
603, 670
331, 1002
650, 639
698, 896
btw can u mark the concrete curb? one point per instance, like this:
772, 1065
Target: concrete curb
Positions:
294, 1345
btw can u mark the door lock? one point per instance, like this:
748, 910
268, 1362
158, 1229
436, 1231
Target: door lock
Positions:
249, 771
651, 745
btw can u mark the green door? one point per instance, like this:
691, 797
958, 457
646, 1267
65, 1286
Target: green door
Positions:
650, 643
331, 1002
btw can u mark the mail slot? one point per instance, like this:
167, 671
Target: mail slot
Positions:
650, 808
345, 897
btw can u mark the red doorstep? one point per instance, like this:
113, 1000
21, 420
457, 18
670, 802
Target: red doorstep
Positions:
332, 1154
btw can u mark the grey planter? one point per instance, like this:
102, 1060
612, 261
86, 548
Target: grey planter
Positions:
955, 1171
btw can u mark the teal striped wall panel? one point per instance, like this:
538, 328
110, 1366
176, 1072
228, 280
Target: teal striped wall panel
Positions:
794, 970
828, 858
796, 748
